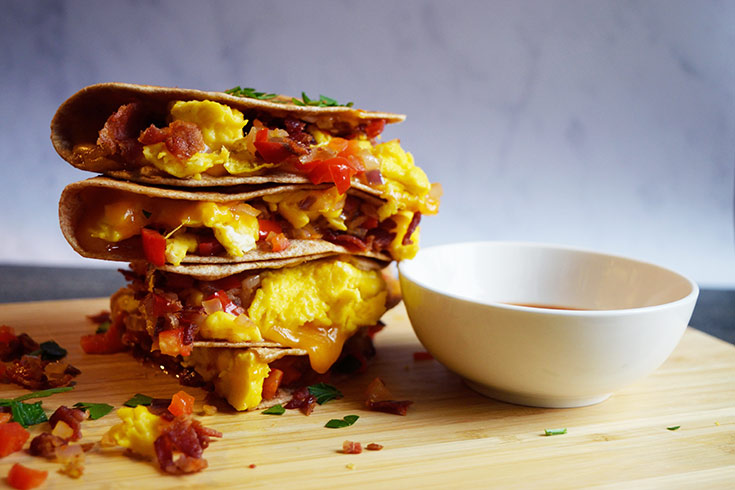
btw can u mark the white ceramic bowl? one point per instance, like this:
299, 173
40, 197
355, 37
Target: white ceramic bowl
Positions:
462, 299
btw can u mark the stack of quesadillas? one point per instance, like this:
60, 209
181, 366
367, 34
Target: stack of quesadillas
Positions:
256, 227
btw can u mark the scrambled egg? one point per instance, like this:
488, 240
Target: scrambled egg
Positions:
125, 214
237, 375
223, 325
327, 203
138, 430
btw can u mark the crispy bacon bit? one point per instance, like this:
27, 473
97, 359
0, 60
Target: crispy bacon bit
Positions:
303, 400
159, 406
36, 374
379, 399
380, 239
16, 347
411, 228
295, 129
45, 445
349, 447
374, 447
99, 318
351, 243
73, 417
119, 134
183, 139
186, 436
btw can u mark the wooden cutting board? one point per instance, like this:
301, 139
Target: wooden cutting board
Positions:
451, 437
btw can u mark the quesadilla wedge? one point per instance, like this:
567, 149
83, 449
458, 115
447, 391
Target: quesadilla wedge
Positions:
235, 333
110, 219
192, 138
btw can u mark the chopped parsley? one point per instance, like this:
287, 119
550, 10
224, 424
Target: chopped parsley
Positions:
344, 422
147, 214
324, 392
27, 414
305, 100
555, 432
96, 410
274, 410
322, 101
139, 399
50, 351
103, 327
673, 427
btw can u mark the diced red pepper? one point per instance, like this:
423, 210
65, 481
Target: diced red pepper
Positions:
5, 417
338, 170
154, 247
104, 343
6, 334
374, 128
209, 246
12, 438
227, 304
171, 343
277, 241
24, 478
182, 403
271, 384
271, 151
266, 226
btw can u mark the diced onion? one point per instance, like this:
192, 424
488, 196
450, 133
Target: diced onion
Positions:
212, 305
245, 208
62, 430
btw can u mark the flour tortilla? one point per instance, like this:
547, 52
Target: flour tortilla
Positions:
71, 209
79, 119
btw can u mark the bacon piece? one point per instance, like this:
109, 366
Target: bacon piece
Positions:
73, 417
349, 447
183, 139
295, 129
303, 400
45, 445
379, 239
397, 407
99, 318
374, 447
350, 242
186, 436
411, 228
118, 136
18, 347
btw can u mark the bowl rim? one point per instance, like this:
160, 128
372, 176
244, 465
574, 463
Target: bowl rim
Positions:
690, 297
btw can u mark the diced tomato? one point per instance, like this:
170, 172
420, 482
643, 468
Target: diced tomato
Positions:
209, 246
266, 226
24, 478
338, 170
104, 343
154, 247
12, 438
170, 342
227, 303
277, 241
271, 384
5, 417
271, 151
374, 128
6, 334
182, 403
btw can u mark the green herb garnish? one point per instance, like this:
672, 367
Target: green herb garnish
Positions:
96, 410
103, 327
139, 399
147, 214
50, 351
250, 93
673, 428
30, 413
345, 422
324, 392
322, 101
555, 432
274, 410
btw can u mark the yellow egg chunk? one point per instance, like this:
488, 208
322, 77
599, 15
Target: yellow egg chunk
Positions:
158, 155
226, 326
317, 306
221, 125
178, 246
237, 375
119, 221
138, 430
328, 203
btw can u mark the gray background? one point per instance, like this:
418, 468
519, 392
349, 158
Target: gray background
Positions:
601, 124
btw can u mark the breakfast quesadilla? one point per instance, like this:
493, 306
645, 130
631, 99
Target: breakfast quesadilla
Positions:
233, 333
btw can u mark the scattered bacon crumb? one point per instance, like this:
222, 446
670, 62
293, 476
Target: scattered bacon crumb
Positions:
422, 356
303, 400
72, 417
374, 447
350, 447
251, 465
379, 399
189, 438
45, 444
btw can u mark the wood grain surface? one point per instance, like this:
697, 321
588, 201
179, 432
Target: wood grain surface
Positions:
451, 437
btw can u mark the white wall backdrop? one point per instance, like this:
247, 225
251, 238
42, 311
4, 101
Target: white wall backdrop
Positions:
601, 124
